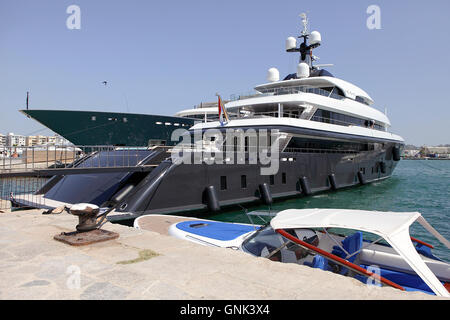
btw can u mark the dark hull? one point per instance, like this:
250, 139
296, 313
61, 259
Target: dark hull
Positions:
172, 188
109, 128
179, 191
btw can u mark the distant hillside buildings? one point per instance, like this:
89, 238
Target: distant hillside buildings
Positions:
435, 152
17, 140
427, 152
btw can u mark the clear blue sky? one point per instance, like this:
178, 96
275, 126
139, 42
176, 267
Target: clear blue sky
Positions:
163, 56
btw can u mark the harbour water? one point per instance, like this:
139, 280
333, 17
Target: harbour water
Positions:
419, 185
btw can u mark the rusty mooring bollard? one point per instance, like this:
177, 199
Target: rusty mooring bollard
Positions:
90, 219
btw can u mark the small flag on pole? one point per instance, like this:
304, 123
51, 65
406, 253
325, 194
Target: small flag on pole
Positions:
222, 112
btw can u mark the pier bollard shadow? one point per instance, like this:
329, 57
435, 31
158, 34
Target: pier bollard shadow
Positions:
90, 220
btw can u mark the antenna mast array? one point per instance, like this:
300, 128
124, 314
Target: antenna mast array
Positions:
305, 65
304, 49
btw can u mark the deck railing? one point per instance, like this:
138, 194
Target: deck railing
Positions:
25, 170
287, 90
28, 159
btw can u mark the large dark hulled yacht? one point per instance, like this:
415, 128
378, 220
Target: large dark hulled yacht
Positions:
321, 132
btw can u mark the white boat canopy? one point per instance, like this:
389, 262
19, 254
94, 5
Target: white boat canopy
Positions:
392, 226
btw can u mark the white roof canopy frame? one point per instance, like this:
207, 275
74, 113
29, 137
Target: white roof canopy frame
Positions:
392, 226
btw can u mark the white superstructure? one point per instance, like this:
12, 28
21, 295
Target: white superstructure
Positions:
310, 98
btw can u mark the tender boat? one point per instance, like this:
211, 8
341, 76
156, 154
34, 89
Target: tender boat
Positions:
371, 246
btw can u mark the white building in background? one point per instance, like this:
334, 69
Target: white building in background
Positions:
36, 140
16, 140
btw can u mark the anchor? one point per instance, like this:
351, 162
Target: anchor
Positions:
88, 230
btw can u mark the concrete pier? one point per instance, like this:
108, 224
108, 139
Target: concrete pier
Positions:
146, 265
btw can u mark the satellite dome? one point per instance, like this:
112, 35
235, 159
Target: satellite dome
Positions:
291, 43
315, 38
302, 70
273, 75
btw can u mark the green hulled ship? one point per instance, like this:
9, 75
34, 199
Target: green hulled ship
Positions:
116, 128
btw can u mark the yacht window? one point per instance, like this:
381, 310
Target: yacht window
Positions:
283, 178
343, 120
272, 180
297, 144
223, 183
243, 181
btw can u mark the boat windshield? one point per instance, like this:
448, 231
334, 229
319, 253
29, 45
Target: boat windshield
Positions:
262, 242
270, 244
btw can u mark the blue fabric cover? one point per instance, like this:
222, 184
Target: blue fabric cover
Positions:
411, 281
318, 262
363, 279
352, 244
215, 230
426, 251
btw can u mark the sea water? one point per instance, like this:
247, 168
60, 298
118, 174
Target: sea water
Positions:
416, 185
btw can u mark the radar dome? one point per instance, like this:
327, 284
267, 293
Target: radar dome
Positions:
291, 43
273, 75
302, 70
315, 38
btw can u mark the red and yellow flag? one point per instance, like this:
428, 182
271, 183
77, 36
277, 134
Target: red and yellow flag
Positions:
222, 112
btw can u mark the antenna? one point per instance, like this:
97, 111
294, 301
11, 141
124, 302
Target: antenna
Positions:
305, 49
305, 23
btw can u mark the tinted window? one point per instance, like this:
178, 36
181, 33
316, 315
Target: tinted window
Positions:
310, 145
96, 188
223, 183
243, 181
342, 119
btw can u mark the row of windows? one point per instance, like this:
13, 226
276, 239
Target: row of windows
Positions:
125, 120
169, 124
94, 118
209, 117
302, 144
344, 120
